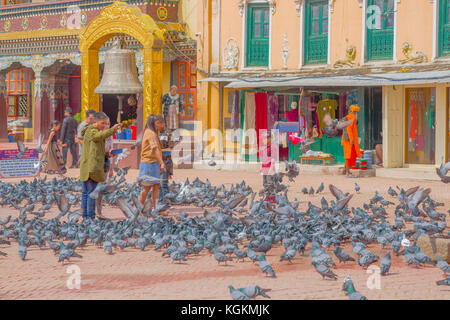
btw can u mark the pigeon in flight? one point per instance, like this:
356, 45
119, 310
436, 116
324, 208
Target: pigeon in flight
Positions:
442, 172
22, 149
332, 127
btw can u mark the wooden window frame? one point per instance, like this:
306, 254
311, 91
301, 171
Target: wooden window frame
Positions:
383, 31
320, 37
265, 41
17, 77
443, 28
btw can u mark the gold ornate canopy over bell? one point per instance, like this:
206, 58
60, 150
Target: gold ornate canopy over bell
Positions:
120, 72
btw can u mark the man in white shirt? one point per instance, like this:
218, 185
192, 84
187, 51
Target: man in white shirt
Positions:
79, 138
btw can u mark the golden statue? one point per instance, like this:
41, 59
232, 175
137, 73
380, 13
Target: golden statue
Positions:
417, 57
348, 61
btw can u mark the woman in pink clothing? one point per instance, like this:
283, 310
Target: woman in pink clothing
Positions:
268, 161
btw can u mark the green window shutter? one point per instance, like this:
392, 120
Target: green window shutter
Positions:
380, 42
444, 28
316, 31
258, 34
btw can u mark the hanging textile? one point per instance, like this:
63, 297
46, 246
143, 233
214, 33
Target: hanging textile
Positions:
342, 111
429, 129
249, 111
273, 110
249, 121
292, 115
233, 102
260, 114
307, 111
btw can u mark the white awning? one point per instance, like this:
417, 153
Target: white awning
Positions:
366, 80
218, 79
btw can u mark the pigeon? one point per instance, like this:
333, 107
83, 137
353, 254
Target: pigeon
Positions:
385, 264
411, 259
324, 271
65, 253
265, 266
422, 257
351, 291
252, 255
211, 162
305, 190
288, 255
22, 250
445, 282
146, 181
392, 192
39, 144
341, 255
367, 259
442, 172
357, 187
333, 127
137, 143
338, 194
254, 291
237, 294
320, 188
5, 221
417, 197
443, 265
124, 154
304, 145
240, 254
177, 256
22, 149
220, 257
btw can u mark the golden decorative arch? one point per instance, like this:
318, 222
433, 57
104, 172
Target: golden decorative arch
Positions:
114, 19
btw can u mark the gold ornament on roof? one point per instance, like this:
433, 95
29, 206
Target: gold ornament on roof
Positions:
348, 61
417, 57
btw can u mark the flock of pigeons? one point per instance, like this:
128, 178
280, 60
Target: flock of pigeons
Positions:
235, 225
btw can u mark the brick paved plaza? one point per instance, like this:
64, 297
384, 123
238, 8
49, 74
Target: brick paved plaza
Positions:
133, 274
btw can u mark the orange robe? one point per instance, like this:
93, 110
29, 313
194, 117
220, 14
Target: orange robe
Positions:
352, 131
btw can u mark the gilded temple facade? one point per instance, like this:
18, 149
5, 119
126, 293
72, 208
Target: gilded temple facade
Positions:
52, 55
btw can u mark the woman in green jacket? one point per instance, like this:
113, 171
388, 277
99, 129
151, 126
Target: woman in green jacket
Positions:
92, 162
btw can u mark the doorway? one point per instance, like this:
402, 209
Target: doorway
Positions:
420, 129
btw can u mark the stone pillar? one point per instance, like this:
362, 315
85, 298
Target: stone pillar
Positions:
37, 104
140, 104
441, 125
140, 115
89, 81
3, 111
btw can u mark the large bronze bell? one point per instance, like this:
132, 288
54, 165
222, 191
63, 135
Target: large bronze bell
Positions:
119, 74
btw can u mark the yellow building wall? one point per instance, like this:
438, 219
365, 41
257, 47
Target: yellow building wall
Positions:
230, 27
415, 25
166, 77
346, 29
285, 20
187, 13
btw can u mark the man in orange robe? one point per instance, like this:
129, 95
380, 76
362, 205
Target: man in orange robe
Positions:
350, 140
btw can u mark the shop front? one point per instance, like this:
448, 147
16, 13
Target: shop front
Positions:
420, 126
416, 130
297, 113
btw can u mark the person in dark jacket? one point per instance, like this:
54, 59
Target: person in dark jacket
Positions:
68, 132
